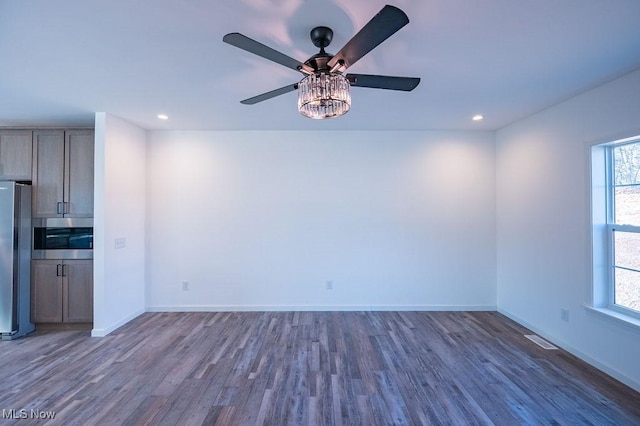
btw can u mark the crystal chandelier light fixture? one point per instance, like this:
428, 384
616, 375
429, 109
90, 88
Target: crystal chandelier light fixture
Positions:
324, 95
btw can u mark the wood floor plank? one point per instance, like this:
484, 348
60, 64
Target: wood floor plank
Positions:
311, 368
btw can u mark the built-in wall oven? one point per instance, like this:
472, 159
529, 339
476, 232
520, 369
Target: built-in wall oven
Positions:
62, 238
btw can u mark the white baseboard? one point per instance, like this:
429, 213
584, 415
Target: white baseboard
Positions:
280, 308
101, 332
583, 356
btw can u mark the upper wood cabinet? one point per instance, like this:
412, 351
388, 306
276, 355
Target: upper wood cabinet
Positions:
48, 173
15, 154
63, 173
78, 173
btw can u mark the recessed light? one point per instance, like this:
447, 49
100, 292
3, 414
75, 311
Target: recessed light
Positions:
163, 116
477, 117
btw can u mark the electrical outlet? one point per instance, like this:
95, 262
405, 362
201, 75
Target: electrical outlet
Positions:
564, 314
120, 243
329, 285
185, 285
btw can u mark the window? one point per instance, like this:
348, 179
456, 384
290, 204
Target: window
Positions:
623, 226
615, 236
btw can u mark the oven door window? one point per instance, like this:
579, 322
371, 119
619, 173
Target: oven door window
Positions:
62, 238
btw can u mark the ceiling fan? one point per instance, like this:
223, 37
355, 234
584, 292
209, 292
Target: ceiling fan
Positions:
323, 92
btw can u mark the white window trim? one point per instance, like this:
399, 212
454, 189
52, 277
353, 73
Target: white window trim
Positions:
615, 316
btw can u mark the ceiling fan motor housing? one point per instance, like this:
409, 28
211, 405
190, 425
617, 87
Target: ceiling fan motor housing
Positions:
319, 62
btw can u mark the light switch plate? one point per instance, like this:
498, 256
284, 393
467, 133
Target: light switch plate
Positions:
120, 243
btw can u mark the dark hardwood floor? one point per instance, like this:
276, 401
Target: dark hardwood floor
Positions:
324, 368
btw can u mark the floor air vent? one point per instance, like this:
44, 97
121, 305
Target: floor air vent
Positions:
540, 341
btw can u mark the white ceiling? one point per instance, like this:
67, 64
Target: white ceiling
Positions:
62, 60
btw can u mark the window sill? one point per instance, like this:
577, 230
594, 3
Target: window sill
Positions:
615, 316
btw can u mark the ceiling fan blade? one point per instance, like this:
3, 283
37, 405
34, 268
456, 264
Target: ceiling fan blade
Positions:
382, 26
271, 94
406, 84
257, 48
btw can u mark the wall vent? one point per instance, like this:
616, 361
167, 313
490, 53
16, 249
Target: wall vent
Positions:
540, 341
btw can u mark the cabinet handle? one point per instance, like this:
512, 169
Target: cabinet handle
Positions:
59, 207
59, 270
65, 207
65, 270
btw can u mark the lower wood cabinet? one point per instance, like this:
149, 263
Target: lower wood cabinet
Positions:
62, 291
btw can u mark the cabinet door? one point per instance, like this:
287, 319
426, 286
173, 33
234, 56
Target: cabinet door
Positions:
46, 291
16, 154
78, 183
48, 171
78, 291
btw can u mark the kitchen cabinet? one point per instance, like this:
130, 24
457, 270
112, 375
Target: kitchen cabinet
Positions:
16, 152
62, 291
63, 173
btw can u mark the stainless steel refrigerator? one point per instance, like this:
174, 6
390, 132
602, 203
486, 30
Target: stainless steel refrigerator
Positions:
15, 260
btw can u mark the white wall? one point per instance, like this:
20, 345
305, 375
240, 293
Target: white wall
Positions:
262, 220
543, 223
120, 189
